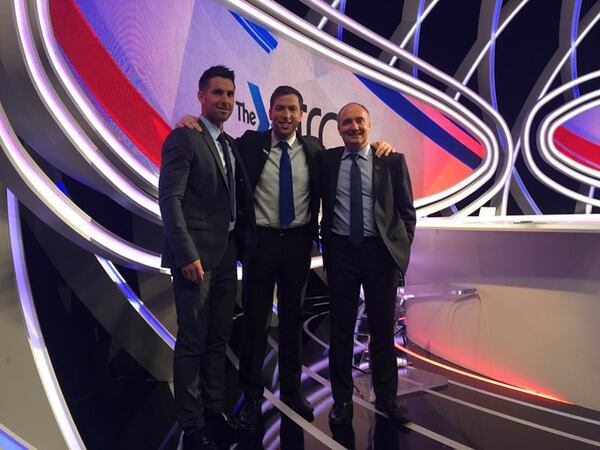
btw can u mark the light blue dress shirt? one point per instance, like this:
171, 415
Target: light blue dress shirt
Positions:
341, 219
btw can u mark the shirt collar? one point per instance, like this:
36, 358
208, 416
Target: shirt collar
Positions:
211, 128
275, 140
364, 152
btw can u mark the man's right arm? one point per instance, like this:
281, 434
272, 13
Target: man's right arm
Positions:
176, 159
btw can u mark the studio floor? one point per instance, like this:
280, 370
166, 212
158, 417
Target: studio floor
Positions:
464, 413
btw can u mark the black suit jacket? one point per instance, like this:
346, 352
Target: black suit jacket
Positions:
395, 217
254, 149
194, 200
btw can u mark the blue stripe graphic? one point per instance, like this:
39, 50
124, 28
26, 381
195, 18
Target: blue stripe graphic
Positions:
263, 120
418, 119
262, 37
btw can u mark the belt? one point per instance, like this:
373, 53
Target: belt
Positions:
282, 231
365, 239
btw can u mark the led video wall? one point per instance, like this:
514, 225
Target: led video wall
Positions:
139, 62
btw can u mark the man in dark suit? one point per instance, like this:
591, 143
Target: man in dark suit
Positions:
367, 228
282, 174
206, 209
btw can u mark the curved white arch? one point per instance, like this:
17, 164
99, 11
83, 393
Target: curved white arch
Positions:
413, 29
583, 33
485, 49
408, 57
41, 358
68, 125
361, 63
556, 119
80, 99
527, 152
65, 209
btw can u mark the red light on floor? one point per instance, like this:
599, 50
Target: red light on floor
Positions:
479, 377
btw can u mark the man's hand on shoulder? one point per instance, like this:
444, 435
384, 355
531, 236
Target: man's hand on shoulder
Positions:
193, 271
190, 122
382, 148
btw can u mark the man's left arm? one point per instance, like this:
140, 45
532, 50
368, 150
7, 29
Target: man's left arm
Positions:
404, 195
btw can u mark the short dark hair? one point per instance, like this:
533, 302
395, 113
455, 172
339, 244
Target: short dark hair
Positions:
280, 91
349, 104
213, 72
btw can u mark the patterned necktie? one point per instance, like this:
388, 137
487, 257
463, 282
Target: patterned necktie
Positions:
356, 204
286, 187
230, 176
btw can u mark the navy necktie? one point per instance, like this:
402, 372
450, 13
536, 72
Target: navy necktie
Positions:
286, 187
230, 176
356, 205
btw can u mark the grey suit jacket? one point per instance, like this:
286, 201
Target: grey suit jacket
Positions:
395, 217
194, 200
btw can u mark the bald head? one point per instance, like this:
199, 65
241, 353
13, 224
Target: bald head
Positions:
353, 104
354, 125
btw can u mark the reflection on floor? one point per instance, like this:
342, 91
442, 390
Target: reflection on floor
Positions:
116, 404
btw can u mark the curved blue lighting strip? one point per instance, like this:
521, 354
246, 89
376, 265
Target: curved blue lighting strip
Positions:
340, 29
8, 442
135, 301
417, 34
492, 61
576, 94
494, 100
574, 28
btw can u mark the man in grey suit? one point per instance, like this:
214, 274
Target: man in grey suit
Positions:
207, 215
367, 228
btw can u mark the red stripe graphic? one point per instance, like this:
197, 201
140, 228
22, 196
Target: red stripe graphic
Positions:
104, 79
580, 149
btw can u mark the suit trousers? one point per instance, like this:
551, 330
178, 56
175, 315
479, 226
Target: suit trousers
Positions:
347, 268
282, 258
204, 318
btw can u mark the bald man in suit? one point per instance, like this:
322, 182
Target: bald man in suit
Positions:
367, 228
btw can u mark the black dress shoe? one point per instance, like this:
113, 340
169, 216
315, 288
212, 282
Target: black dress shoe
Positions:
248, 418
301, 405
221, 420
391, 408
341, 413
204, 442
199, 440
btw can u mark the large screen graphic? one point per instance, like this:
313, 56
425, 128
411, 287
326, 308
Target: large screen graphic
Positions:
140, 62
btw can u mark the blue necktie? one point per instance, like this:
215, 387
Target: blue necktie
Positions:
356, 205
230, 176
286, 187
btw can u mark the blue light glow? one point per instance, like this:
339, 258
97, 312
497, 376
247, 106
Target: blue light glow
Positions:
417, 34
574, 27
340, 28
136, 303
7, 442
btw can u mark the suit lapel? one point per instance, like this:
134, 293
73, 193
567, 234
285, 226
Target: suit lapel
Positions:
215, 153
